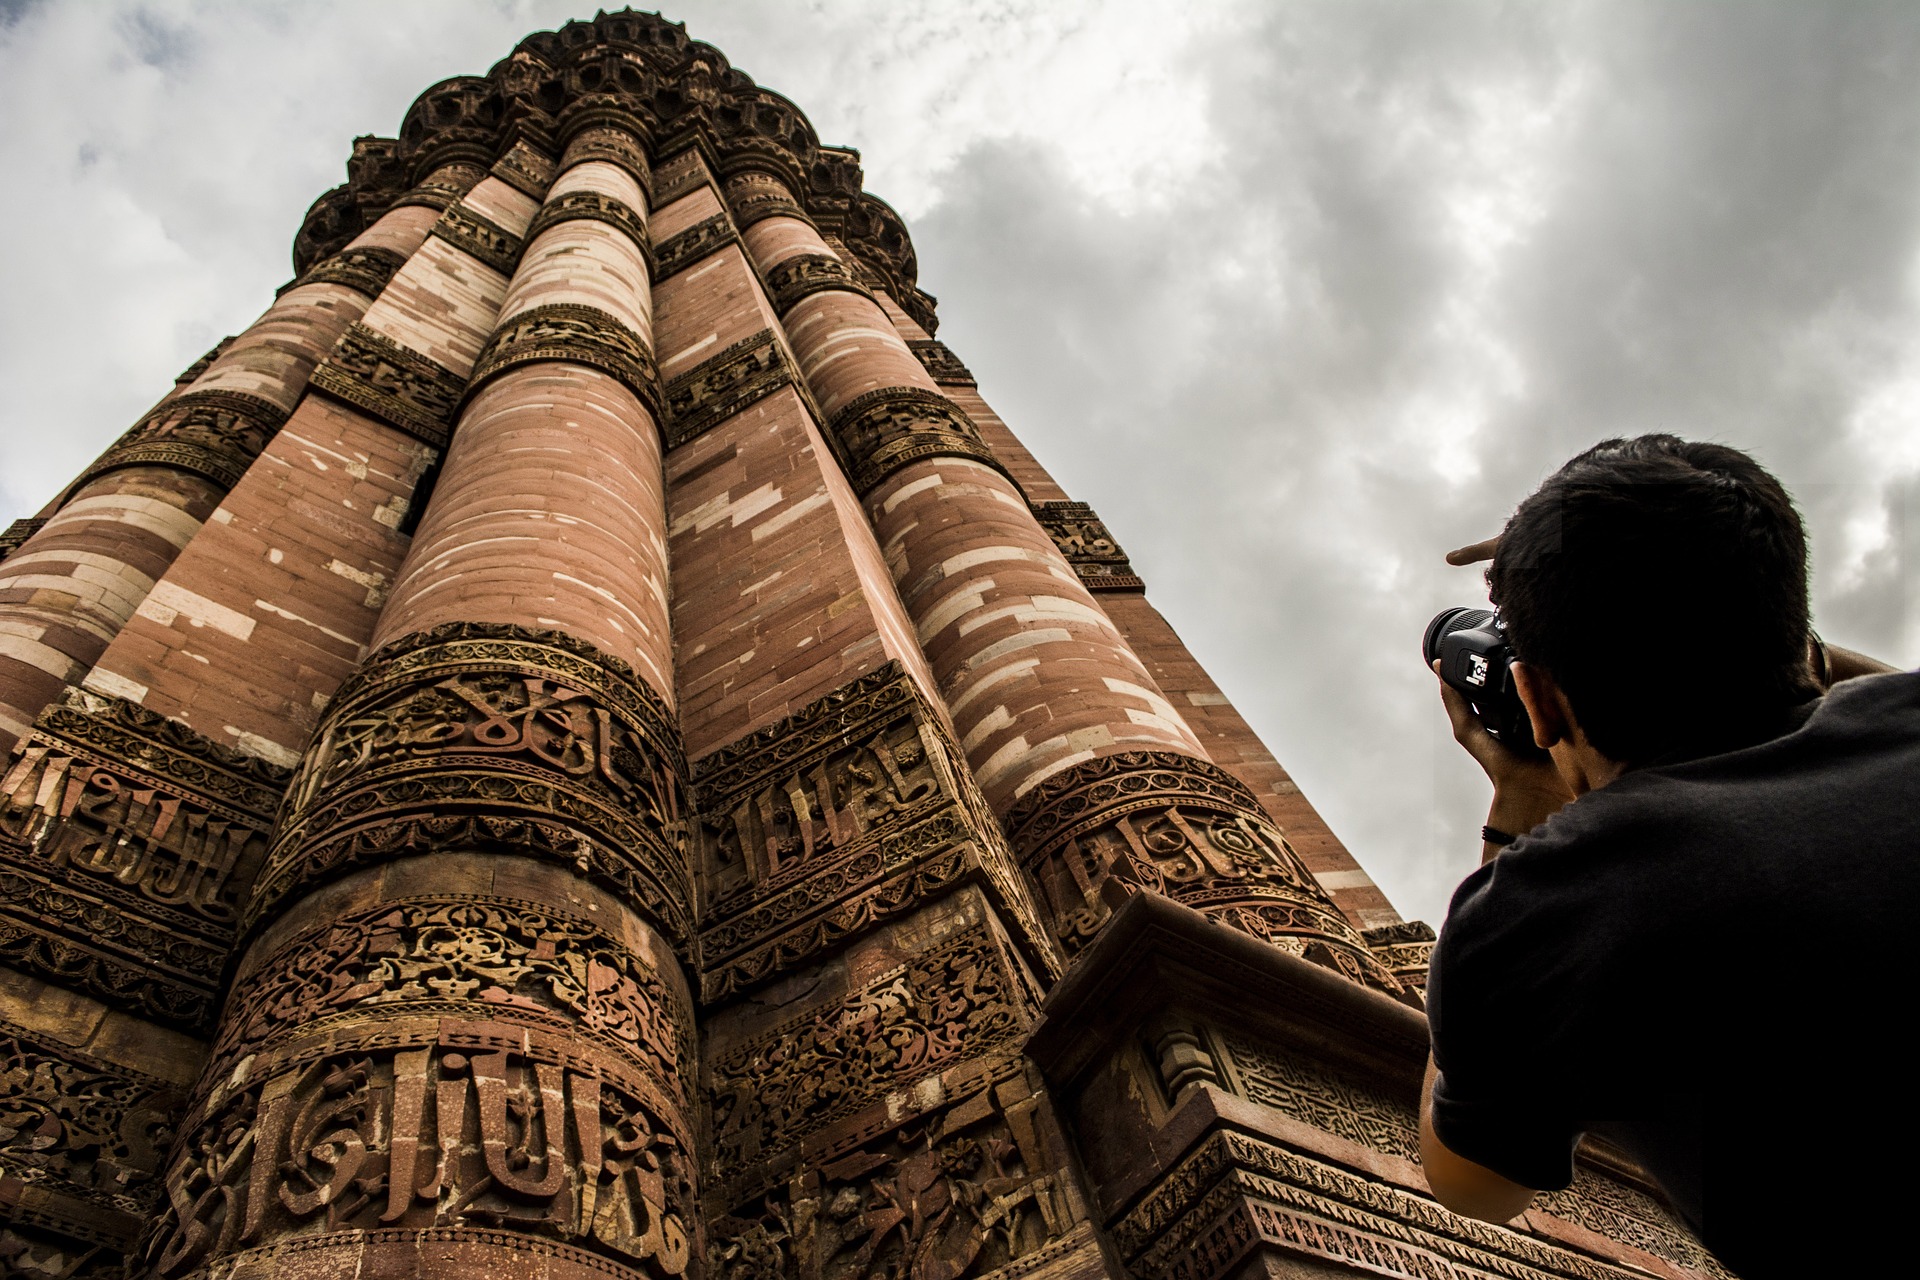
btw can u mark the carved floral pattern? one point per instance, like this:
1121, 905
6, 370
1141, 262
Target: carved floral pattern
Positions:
1176, 825
595, 206
526, 170
473, 1126
367, 269
682, 250
962, 1191
395, 384
1088, 546
723, 385
576, 334
939, 360
479, 237
853, 811
216, 434
892, 427
480, 736
792, 279
953, 1003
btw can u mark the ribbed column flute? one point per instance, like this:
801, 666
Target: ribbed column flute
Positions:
1104, 788
464, 937
70, 588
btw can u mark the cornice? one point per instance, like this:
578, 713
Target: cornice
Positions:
640, 74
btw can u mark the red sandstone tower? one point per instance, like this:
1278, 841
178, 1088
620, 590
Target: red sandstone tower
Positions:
578, 745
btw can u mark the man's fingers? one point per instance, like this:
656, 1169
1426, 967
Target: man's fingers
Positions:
1474, 553
1466, 725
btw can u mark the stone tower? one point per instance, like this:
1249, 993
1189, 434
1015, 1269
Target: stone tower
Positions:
578, 745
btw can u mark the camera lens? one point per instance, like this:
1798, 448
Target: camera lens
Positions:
1448, 621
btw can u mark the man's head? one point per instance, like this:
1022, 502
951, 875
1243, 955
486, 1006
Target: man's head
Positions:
1662, 585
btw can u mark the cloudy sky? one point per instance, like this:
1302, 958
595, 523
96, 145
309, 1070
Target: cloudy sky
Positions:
1297, 295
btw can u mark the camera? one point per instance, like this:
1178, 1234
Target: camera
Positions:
1476, 658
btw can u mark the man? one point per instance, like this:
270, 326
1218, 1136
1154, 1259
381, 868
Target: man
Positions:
1690, 932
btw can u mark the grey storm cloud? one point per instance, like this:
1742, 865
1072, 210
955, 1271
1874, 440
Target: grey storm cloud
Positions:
1297, 295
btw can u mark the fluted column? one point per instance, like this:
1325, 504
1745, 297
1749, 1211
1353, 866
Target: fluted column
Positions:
70, 587
464, 939
1102, 785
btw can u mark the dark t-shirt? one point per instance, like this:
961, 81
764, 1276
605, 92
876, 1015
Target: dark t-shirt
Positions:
1709, 964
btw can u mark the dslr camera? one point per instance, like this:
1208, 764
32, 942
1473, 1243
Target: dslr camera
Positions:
1476, 658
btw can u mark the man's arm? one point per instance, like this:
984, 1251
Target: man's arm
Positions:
1470, 1190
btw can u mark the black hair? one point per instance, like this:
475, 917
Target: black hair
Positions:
1663, 585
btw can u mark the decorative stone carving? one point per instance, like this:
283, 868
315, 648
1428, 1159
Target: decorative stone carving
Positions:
127, 843
792, 279
939, 360
680, 251
1088, 546
854, 811
953, 1003
331, 222
466, 1126
216, 434
479, 237
475, 737
444, 188
1176, 825
367, 269
753, 196
886, 429
1405, 949
614, 145
717, 388
526, 170
1236, 1194
678, 177
193, 371
18, 532
578, 335
1326, 1097
970, 1189
395, 384
596, 206
81, 1140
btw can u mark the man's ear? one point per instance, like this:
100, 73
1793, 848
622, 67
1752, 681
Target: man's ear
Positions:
1545, 703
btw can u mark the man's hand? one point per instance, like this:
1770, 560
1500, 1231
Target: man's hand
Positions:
1527, 790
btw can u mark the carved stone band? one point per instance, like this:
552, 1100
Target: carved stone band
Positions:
18, 532
366, 269
576, 334
595, 206
612, 144
677, 177
855, 810
940, 361
716, 389
884, 430
445, 188
526, 170
127, 842
71, 1115
792, 279
477, 737
1405, 949
1180, 826
216, 434
480, 237
751, 206
395, 384
678, 252
1088, 546
443, 1062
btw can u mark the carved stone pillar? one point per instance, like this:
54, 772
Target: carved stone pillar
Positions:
1104, 788
460, 1035
70, 587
